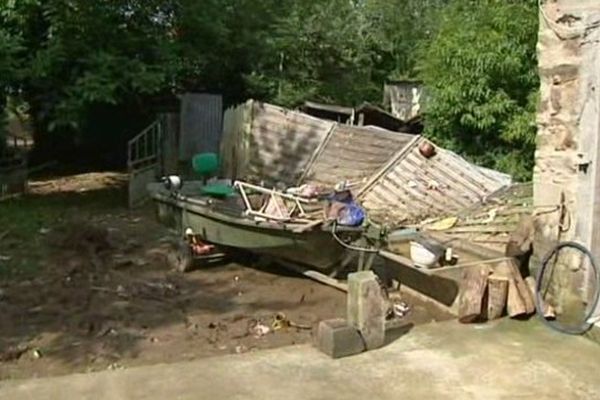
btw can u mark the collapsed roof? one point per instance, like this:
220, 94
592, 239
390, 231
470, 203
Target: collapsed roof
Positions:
395, 182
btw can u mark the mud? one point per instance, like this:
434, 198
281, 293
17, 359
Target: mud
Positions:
106, 298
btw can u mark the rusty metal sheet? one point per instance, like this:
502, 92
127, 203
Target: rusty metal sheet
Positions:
412, 188
354, 153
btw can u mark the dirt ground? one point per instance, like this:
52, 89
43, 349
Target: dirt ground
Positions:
102, 295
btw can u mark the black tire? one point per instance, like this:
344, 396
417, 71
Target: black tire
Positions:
182, 259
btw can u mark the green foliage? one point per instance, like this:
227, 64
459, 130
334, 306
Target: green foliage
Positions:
88, 69
480, 71
320, 50
9, 47
397, 29
93, 52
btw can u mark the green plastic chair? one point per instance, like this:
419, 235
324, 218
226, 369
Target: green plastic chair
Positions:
207, 165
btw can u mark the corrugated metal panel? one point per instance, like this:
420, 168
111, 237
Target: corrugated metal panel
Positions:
498, 176
354, 154
281, 143
201, 124
412, 188
236, 122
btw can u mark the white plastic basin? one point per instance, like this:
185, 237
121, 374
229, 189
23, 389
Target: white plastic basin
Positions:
421, 256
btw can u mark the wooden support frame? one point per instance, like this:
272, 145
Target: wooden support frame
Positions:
276, 197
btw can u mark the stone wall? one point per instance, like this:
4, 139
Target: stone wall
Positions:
567, 168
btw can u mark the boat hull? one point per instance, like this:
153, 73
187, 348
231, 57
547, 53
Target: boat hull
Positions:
315, 248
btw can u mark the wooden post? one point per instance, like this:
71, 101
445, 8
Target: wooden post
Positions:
474, 283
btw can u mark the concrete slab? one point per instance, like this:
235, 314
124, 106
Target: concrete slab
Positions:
505, 360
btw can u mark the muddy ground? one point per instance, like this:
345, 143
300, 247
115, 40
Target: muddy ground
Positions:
99, 292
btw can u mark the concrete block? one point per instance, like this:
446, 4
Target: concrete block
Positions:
337, 339
366, 308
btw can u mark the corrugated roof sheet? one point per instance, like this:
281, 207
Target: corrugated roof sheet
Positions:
236, 121
489, 224
354, 153
201, 124
263, 142
412, 188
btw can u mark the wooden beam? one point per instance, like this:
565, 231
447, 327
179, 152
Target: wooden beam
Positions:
473, 287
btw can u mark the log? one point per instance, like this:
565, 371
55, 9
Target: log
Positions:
547, 310
523, 288
473, 286
515, 306
520, 300
497, 296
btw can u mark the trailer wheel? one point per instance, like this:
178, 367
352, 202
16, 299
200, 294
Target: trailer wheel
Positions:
182, 259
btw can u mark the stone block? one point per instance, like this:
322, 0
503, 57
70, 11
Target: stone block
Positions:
366, 308
337, 339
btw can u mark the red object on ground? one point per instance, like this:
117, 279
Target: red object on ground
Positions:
201, 249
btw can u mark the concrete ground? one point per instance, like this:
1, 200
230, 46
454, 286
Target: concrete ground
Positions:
505, 360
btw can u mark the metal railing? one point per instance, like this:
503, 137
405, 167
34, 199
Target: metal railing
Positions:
145, 148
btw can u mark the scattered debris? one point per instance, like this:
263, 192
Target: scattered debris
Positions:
36, 354
84, 237
241, 349
108, 331
400, 310
442, 224
115, 366
5, 258
44, 231
14, 353
433, 185
104, 307
257, 328
491, 216
280, 321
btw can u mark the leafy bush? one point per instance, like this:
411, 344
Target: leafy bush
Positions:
481, 73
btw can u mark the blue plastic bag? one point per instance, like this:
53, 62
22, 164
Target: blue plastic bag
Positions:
351, 215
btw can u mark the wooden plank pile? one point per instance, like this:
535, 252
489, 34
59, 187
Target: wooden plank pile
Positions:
489, 292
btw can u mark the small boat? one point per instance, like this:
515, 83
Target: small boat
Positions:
225, 221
